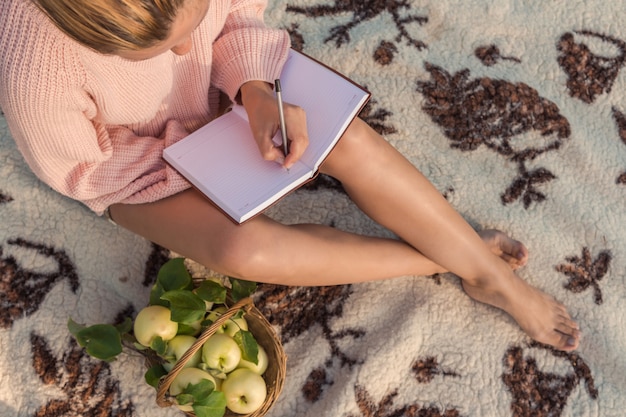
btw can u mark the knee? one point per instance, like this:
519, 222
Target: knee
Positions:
358, 144
356, 134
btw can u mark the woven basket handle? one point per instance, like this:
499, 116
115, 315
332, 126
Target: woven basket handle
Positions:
164, 384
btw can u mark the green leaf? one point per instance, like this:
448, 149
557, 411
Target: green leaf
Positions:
154, 374
155, 296
75, 328
102, 341
184, 399
126, 326
212, 291
241, 288
159, 346
238, 314
186, 306
201, 390
206, 402
212, 406
248, 345
138, 346
184, 328
127, 338
174, 275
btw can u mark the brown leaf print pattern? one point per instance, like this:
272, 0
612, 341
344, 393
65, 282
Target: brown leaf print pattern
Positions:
297, 39
589, 74
87, 384
385, 52
297, 309
314, 386
426, 369
385, 407
377, 118
524, 187
620, 120
363, 11
492, 113
543, 394
22, 290
157, 257
490, 55
5, 198
585, 272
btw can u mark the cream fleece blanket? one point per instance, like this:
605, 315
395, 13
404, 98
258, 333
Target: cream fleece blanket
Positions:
516, 110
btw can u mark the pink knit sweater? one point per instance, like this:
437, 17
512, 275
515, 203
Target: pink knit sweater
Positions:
93, 126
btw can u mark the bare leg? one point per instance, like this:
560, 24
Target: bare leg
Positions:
394, 193
266, 251
388, 188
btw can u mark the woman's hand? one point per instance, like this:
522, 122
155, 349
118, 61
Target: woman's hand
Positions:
260, 103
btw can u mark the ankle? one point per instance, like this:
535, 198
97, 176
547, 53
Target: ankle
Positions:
491, 280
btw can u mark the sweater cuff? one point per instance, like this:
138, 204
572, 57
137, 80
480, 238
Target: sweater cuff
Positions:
248, 56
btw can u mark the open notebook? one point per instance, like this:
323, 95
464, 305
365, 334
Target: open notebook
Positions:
221, 159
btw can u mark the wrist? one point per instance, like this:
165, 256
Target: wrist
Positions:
251, 89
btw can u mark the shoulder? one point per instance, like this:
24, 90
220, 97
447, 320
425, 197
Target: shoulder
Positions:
38, 59
28, 35
21, 21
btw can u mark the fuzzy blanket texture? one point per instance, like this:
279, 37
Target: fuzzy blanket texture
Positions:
516, 111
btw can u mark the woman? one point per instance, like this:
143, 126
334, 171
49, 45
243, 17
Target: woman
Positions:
94, 90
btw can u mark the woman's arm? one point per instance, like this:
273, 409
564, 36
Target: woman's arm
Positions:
248, 57
260, 103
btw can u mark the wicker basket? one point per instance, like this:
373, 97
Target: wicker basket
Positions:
264, 334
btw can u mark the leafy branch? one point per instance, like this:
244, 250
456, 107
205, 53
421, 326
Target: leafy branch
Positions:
174, 289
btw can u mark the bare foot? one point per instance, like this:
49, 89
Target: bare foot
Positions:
510, 250
538, 314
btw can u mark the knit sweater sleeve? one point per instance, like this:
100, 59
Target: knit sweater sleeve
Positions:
246, 49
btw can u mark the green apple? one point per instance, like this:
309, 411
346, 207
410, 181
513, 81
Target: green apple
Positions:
221, 352
177, 347
154, 321
245, 391
260, 366
231, 326
185, 377
196, 326
216, 313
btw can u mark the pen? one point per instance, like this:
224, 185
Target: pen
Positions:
281, 116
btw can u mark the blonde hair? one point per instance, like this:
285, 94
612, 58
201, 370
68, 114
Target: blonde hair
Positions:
111, 26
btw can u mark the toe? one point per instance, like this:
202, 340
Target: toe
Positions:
568, 342
513, 248
568, 329
563, 317
513, 262
560, 341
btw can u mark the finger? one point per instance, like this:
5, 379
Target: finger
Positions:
298, 136
297, 146
269, 151
274, 153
